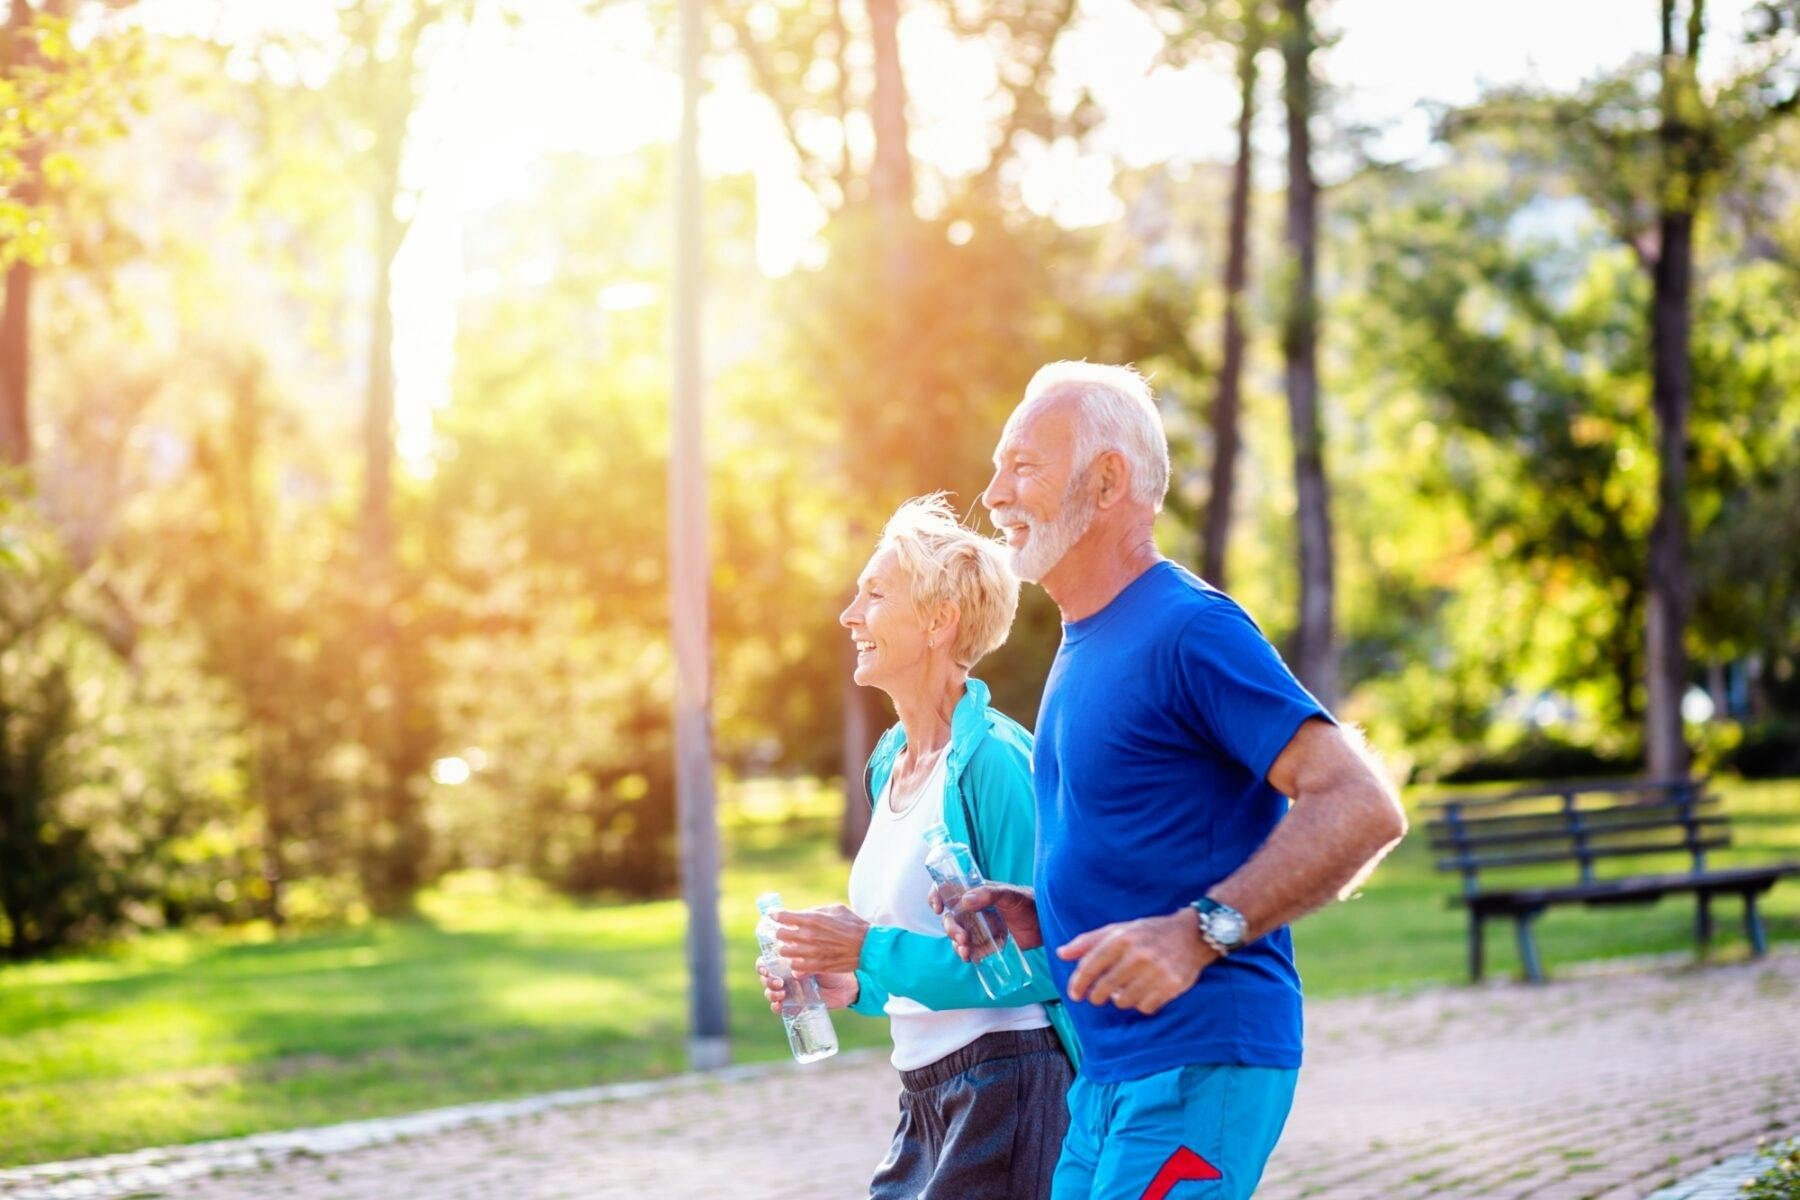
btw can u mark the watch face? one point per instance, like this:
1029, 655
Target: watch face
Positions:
1226, 926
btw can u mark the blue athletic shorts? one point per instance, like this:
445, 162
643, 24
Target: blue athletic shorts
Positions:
1192, 1133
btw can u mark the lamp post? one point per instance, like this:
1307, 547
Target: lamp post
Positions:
709, 1045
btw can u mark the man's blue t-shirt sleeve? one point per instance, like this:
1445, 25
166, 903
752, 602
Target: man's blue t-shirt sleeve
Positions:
1240, 697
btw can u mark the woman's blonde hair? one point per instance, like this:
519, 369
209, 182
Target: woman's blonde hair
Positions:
946, 560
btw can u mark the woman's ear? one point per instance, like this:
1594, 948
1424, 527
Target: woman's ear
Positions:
942, 628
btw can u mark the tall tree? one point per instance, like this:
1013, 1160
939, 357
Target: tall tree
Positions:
19, 54
802, 69
56, 97
891, 193
1647, 148
1315, 638
385, 66
375, 61
1242, 26
891, 179
1228, 398
1681, 179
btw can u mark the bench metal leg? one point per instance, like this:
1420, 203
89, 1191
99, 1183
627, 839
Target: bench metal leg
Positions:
1753, 926
1475, 948
1528, 953
1703, 925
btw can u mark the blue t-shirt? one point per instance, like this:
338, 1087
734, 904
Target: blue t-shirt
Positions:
1161, 717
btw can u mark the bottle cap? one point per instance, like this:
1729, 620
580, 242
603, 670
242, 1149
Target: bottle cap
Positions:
937, 834
768, 901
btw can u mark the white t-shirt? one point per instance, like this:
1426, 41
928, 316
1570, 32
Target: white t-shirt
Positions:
889, 886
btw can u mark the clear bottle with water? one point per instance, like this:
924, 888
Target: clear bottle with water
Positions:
999, 963
809, 1030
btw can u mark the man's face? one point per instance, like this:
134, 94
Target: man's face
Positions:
1039, 496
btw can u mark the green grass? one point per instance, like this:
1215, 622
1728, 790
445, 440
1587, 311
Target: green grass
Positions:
501, 991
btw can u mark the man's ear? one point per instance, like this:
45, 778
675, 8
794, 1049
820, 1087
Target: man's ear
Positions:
1113, 474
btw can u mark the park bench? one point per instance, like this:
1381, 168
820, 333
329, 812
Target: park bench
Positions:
1583, 823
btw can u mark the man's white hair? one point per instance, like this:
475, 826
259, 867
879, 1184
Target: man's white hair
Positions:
1118, 412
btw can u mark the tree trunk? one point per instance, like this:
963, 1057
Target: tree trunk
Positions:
378, 397
1671, 399
840, 60
1315, 647
15, 308
400, 840
891, 180
891, 190
1228, 401
15, 353
1666, 659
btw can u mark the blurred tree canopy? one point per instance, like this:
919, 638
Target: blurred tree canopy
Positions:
255, 663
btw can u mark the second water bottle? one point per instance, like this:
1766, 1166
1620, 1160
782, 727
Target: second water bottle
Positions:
999, 963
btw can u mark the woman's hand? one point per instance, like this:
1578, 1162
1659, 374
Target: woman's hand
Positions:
822, 941
836, 990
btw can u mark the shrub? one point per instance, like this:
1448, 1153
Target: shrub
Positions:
1781, 1181
1543, 757
1770, 750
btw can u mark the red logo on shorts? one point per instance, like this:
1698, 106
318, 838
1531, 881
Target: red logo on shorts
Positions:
1182, 1166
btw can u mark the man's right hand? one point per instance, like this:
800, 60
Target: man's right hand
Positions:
1017, 905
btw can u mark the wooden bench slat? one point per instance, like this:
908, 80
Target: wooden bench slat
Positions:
1640, 886
1486, 861
1564, 833
1560, 817
1583, 787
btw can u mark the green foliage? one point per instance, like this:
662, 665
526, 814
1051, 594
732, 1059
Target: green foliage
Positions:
61, 97
1769, 750
1781, 1179
50, 882
277, 702
1500, 365
1541, 756
119, 800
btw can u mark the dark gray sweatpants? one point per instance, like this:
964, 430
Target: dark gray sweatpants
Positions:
983, 1123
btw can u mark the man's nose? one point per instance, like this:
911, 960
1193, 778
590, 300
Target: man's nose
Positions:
995, 495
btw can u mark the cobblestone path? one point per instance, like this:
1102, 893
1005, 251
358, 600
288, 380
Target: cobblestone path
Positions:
1612, 1085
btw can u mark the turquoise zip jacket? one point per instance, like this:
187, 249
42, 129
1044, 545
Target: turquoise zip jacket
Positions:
990, 807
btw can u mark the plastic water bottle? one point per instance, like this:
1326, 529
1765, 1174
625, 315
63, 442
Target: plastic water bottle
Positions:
810, 1034
999, 963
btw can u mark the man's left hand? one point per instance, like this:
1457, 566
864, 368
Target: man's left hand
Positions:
1141, 964
822, 941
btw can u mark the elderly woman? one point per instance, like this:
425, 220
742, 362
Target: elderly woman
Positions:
982, 1108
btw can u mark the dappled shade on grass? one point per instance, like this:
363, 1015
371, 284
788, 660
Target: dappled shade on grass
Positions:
497, 991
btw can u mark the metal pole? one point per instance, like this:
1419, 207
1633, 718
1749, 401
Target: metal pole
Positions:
709, 1046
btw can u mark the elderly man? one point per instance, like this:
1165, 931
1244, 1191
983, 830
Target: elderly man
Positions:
1170, 742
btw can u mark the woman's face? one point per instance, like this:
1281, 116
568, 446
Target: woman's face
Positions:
890, 639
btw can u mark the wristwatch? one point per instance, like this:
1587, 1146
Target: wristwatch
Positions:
1221, 926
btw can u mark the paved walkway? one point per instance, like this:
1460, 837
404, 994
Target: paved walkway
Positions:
1610, 1086
1723, 1182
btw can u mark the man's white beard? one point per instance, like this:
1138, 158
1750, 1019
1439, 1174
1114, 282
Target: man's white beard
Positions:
1045, 545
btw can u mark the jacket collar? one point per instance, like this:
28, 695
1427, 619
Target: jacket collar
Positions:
968, 728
